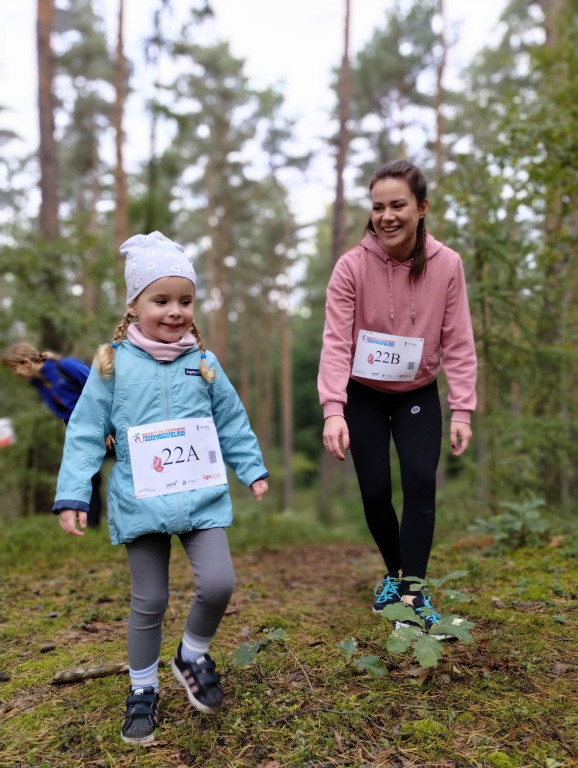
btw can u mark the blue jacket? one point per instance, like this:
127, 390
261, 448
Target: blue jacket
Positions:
65, 378
142, 391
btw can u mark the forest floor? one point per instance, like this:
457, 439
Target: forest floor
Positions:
507, 700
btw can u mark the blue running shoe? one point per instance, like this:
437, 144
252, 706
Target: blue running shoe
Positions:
386, 593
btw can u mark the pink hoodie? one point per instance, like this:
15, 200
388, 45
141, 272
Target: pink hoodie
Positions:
371, 291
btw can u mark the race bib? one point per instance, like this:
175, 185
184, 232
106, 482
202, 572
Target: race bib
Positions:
174, 456
382, 357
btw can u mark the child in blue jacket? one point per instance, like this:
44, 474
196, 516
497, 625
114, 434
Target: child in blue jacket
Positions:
59, 382
175, 418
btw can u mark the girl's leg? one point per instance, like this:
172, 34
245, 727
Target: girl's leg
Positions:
417, 428
210, 558
208, 553
148, 558
368, 420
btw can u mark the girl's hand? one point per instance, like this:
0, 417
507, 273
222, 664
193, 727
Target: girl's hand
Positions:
69, 522
110, 442
336, 436
259, 488
460, 436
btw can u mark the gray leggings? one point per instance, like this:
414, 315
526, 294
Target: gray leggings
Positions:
148, 559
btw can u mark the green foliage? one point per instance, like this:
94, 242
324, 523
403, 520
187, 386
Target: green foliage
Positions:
372, 665
521, 526
246, 652
427, 648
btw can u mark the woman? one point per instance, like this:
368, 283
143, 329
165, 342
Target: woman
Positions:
397, 303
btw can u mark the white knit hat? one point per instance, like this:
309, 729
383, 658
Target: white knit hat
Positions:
150, 257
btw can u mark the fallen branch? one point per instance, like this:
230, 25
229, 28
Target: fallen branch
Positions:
89, 673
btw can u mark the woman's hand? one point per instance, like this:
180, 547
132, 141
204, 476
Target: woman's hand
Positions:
336, 436
460, 436
72, 521
259, 488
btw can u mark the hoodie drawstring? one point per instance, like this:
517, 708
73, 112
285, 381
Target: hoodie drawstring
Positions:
391, 302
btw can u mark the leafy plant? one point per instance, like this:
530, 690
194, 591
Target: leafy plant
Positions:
521, 526
427, 648
373, 665
247, 652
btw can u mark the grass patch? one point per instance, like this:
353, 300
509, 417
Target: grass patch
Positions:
509, 700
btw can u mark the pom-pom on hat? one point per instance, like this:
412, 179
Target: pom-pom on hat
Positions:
150, 257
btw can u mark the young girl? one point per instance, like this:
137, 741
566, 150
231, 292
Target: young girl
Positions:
59, 382
171, 410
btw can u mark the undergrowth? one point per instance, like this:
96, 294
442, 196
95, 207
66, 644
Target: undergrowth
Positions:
323, 688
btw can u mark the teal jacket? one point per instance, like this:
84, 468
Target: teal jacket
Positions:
141, 391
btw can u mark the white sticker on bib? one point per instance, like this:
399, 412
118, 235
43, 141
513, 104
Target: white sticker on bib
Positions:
382, 357
174, 456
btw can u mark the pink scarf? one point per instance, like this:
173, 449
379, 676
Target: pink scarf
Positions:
158, 349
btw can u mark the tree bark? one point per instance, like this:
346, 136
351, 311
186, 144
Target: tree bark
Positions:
439, 97
286, 389
344, 108
48, 151
121, 210
48, 158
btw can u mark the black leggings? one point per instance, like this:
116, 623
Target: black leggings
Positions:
415, 422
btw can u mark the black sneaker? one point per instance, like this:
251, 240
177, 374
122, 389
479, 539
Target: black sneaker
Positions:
200, 681
141, 716
386, 593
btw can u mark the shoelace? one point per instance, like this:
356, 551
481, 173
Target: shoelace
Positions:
386, 589
433, 615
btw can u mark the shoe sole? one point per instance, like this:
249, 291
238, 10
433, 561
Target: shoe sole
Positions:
441, 638
195, 702
143, 740
403, 624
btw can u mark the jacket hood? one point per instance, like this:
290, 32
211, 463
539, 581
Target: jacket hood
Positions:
372, 244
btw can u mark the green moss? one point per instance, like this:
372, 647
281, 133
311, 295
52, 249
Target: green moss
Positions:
499, 760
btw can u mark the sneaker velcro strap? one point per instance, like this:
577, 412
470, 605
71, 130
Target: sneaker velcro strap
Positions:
142, 704
203, 673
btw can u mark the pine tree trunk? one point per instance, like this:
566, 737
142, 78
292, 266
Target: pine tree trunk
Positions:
286, 390
326, 480
121, 210
49, 178
48, 156
340, 208
439, 98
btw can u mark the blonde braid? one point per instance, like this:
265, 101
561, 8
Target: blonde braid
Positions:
207, 373
104, 357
